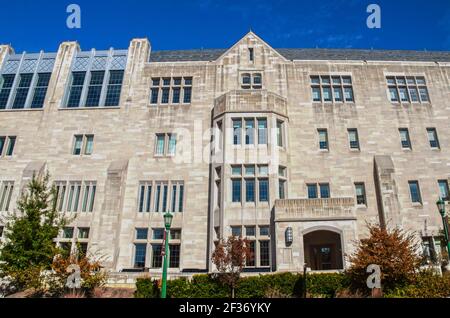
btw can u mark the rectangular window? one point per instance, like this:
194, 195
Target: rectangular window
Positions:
237, 131
22, 91
360, 194
11, 145
250, 190
327, 96
40, 90
140, 255
324, 190
145, 196
323, 139
262, 131
158, 198
114, 88
263, 190
236, 231
336, 89
83, 233
2, 144
154, 96
187, 95
264, 231
414, 190
264, 253
160, 144
176, 95
74, 197
433, 138
312, 191
353, 138
175, 234
89, 145
444, 190
6, 190
393, 94
250, 231
68, 233
236, 190
317, 95
8, 81
141, 234
174, 253
158, 234
280, 126
407, 90
164, 200
249, 131
78, 144
95, 89
172, 144
282, 189
89, 196
403, 94
165, 96
404, 137
251, 262
156, 256
76, 89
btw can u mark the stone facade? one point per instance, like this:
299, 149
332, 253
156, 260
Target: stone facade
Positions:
124, 153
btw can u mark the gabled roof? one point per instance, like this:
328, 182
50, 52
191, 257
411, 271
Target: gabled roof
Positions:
310, 54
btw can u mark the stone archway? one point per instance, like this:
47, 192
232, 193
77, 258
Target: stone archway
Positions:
323, 250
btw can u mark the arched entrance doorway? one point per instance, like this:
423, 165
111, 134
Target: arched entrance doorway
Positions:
323, 250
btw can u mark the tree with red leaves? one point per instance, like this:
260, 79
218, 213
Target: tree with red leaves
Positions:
397, 252
230, 257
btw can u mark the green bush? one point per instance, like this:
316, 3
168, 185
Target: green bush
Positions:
326, 285
425, 285
262, 286
146, 288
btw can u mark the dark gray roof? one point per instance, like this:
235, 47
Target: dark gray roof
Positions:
310, 54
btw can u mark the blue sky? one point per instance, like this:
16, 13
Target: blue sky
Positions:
32, 25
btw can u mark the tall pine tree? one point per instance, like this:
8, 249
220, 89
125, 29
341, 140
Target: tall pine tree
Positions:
30, 232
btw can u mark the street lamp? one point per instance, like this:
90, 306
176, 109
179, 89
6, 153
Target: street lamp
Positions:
441, 206
167, 223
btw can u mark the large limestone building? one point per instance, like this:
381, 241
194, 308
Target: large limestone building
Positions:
295, 149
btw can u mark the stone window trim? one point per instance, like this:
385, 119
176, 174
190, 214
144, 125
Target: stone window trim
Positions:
361, 194
169, 140
258, 133
84, 144
433, 138
34, 65
414, 85
180, 90
354, 140
256, 239
173, 201
251, 80
415, 193
8, 145
318, 187
6, 194
76, 196
150, 241
332, 84
282, 182
79, 235
323, 139
240, 173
